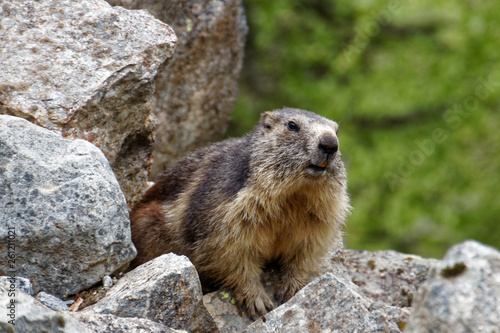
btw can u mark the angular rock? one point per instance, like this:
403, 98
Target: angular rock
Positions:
106, 323
86, 70
196, 93
329, 304
202, 321
166, 289
20, 283
52, 302
462, 293
377, 277
387, 276
22, 313
222, 307
63, 202
107, 282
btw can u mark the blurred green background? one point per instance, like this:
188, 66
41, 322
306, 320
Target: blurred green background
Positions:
415, 86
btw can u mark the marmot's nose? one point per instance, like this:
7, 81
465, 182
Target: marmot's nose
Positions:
328, 144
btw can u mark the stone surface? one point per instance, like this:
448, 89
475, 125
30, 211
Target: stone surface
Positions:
107, 282
196, 93
106, 323
462, 293
387, 276
28, 315
86, 70
52, 302
387, 281
21, 284
202, 321
166, 289
331, 304
67, 210
221, 306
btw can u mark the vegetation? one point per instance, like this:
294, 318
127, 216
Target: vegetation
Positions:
415, 86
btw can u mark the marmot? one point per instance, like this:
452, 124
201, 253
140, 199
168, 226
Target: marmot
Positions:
277, 194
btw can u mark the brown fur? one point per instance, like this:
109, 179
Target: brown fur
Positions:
239, 204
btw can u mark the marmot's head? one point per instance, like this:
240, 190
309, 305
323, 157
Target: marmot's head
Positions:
297, 143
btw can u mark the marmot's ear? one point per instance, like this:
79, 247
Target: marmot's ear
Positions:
267, 120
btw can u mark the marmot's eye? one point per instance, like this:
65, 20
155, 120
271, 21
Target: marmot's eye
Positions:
293, 126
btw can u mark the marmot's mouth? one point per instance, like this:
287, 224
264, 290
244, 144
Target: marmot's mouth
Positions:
316, 168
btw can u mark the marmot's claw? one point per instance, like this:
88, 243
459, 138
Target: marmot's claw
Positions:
287, 290
256, 305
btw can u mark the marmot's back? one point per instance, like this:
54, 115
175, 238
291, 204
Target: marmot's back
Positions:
277, 194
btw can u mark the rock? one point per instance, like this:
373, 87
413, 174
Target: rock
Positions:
462, 293
63, 202
385, 279
107, 282
202, 321
196, 93
387, 276
106, 323
86, 70
331, 304
52, 302
166, 289
22, 313
221, 306
20, 283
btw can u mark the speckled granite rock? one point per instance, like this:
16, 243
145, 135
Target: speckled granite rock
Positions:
330, 304
462, 293
20, 283
28, 315
86, 70
221, 306
67, 210
52, 302
165, 289
202, 321
385, 280
196, 93
387, 276
106, 323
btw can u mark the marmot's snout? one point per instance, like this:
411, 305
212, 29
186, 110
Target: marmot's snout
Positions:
328, 147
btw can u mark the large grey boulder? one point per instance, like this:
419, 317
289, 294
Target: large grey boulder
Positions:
330, 304
106, 323
462, 293
63, 202
387, 276
197, 91
22, 313
86, 70
166, 290
384, 283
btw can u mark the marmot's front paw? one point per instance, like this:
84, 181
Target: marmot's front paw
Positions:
255, 302
286, 288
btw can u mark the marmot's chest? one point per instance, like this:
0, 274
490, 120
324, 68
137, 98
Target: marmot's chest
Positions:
279, 232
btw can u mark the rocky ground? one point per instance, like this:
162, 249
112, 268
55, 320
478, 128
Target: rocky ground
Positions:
355, 291
82, 85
